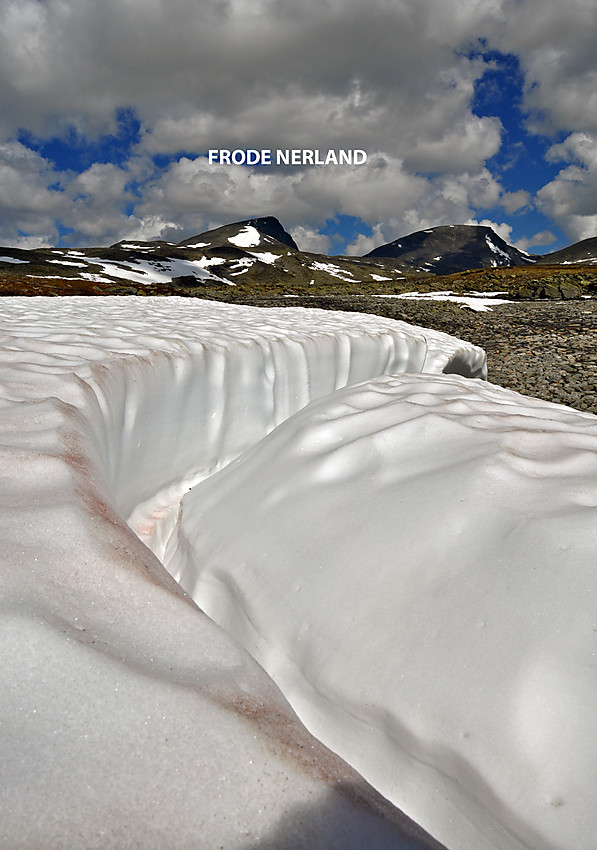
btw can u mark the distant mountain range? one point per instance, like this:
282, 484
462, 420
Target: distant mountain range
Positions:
260, 251
452, 248
459, 247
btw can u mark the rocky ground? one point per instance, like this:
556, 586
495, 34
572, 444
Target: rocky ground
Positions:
541, 344
546, 349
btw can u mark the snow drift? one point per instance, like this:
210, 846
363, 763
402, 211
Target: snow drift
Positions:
413, 561
128, 718
409, 551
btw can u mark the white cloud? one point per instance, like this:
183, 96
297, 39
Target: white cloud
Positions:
393, 78
460, 148
539, 240
34, 197
571, 198
27, 203
578, 147
241, 72
382, 193
515, 201
309, 239
191, 195
555, 42
96, 197
501, 228
363, 244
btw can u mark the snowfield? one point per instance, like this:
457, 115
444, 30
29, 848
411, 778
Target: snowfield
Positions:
151, 271
407, 550
413, 562
478, 301
249, 237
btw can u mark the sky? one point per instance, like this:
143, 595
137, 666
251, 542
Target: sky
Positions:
469, 111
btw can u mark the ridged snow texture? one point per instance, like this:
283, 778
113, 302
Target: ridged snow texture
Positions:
410, 555
128, 718
413, 560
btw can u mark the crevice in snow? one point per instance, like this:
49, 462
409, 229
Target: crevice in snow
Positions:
111, 409
219, 396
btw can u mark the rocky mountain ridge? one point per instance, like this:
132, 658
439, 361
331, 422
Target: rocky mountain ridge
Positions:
453, 248
258, 254
447, 249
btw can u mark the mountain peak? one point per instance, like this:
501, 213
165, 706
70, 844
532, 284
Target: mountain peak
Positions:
270, 226
584, 251
240, 233
452, 248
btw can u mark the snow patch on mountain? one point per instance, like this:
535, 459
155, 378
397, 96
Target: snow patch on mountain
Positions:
333, 270
206, 262
243, 263
480, 302
248, 237
502, 254
577, 262
69, 263
266, 257
151, 271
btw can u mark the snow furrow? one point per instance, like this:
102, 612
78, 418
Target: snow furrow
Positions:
118, 694
408, 552
413, 562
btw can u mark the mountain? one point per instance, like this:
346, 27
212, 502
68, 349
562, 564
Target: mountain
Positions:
581, 252
452, 248
253, 232
255, 252
258, 258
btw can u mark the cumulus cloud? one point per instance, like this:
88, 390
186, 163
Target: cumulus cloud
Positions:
28, 203
501, 228
539, 240
571, 198
555, 43
309, 239
35, 197
191, 195
396, 79
363, 244
384, 76
383, 193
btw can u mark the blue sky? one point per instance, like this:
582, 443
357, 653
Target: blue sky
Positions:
521, 162
482, 112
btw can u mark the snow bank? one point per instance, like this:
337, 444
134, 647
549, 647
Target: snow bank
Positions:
248, 237
11, 260
128, 718
477, 301
413, 561
266, 256
411, 557
150, 271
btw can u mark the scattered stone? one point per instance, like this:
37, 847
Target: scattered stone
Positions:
546, 349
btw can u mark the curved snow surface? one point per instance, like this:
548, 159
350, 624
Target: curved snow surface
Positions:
413, 561
411, 557
128, 718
